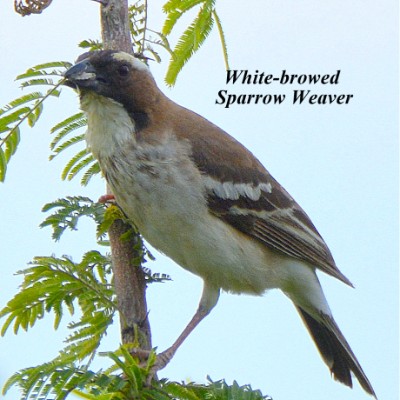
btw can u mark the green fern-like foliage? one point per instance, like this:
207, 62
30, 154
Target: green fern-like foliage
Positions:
141, 35
195, 34
27, 108
61, 286
214, 390
221, 38
125, 379
69, 133
67, 212
57, 285
138, 25
91, 45
63, 129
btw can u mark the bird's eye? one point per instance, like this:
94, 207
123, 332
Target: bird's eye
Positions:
123, 70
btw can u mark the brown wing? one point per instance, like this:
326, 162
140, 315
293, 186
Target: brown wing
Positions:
255, 203
277, 221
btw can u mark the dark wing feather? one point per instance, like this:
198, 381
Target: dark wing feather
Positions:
277, 221
274, 218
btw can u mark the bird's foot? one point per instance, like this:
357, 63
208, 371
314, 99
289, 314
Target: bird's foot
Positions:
141, 354
161, 361
106, 198
164, 358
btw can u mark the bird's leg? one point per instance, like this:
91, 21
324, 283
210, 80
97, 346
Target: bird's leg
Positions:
165, 357
208, 300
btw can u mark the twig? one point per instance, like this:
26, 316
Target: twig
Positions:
145, 26
30, 112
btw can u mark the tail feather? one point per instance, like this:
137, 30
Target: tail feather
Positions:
335, 350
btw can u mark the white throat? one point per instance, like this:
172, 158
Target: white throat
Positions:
109, 125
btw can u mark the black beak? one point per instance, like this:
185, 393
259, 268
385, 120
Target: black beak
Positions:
81, 75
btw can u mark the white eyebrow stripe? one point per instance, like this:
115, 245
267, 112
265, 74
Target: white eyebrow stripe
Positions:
133, 61
233, 191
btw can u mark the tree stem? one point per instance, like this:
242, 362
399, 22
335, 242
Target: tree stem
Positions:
115, 26
129, 278
130, 286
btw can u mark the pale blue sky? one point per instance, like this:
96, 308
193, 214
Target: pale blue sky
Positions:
339, 162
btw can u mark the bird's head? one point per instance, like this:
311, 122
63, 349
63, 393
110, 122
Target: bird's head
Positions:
117, 76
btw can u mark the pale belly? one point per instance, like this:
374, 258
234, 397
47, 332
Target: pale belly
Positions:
165, 201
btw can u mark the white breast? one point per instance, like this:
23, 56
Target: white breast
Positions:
109, 125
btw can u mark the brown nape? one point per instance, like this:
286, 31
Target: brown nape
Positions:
335, 351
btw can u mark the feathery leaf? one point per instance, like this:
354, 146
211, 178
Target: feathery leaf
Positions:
93, 170
67, 211
90, 44
66, 127
222, 38
174, 10
14, 114
191, 40
72, 162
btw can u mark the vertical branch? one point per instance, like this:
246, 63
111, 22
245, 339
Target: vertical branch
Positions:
130, 286
115, 25
129, 278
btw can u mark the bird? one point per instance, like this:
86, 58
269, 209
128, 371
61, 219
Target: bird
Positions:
204, 200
